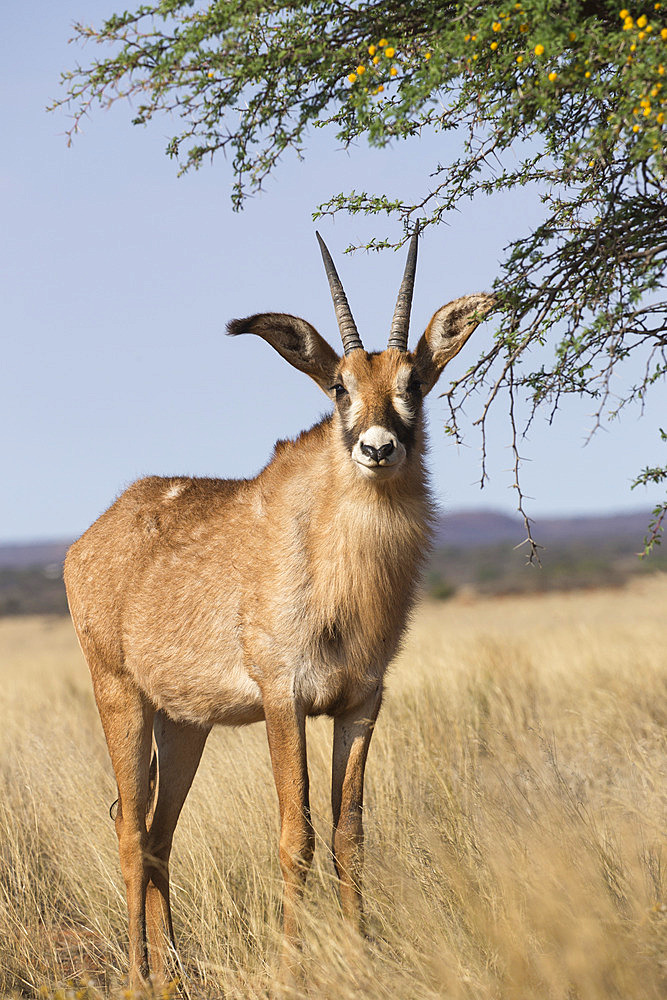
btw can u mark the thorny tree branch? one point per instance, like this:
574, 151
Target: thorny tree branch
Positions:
533, 547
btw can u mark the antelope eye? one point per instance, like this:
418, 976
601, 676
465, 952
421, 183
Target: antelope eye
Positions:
339, 389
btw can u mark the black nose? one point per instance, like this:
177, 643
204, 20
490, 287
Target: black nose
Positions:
377, 454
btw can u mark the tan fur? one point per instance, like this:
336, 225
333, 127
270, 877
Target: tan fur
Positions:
202, 601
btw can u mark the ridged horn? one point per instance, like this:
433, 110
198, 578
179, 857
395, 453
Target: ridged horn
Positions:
400, 324
346, 324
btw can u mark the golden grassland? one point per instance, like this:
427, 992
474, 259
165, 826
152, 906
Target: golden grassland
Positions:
516, 818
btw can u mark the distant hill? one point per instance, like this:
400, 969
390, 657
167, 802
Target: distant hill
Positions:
481, 552
472, 528
25, 555
475, 550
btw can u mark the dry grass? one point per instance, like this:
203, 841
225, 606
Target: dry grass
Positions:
516, 817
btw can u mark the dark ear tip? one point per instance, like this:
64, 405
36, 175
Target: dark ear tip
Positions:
481, 303
237, 326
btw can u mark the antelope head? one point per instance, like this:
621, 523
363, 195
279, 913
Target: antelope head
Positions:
377, 396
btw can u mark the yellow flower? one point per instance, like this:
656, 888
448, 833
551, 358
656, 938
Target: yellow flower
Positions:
475, 56
467, 38
390, 53
663, 33
573, 36
649, 27
496, 26
635, 128
380, 88
473, 38
383, 42
376, 60
523, 28
661, 70
647, 111
210, 74
494, 45
628, 24
591, 163
519, 59
553, 76
587, 74
633, 47
642, 21
539, 49
657, 6
624, 13
372, 49
393, 71
352, 77
427, 55
361, 70
660, 117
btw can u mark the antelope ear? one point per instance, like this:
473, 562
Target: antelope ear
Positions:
446, 334
296, 341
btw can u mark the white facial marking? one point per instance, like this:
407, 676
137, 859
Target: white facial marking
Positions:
354, 411
404, 410
377, 437
356, 406
373, 440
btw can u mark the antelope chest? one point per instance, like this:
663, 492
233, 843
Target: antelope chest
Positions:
327, 638
337, 672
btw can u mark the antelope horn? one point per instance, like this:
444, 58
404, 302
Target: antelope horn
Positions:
346, 324
400, 324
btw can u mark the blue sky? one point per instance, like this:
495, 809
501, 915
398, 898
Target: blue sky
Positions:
117, 279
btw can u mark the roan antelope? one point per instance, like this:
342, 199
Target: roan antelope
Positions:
204, 601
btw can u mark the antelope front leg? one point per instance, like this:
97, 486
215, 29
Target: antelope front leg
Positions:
286, 730
352, 737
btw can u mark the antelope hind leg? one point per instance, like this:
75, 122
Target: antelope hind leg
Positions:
127, 719
179, 748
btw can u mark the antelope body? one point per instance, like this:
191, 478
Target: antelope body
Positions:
205, 601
